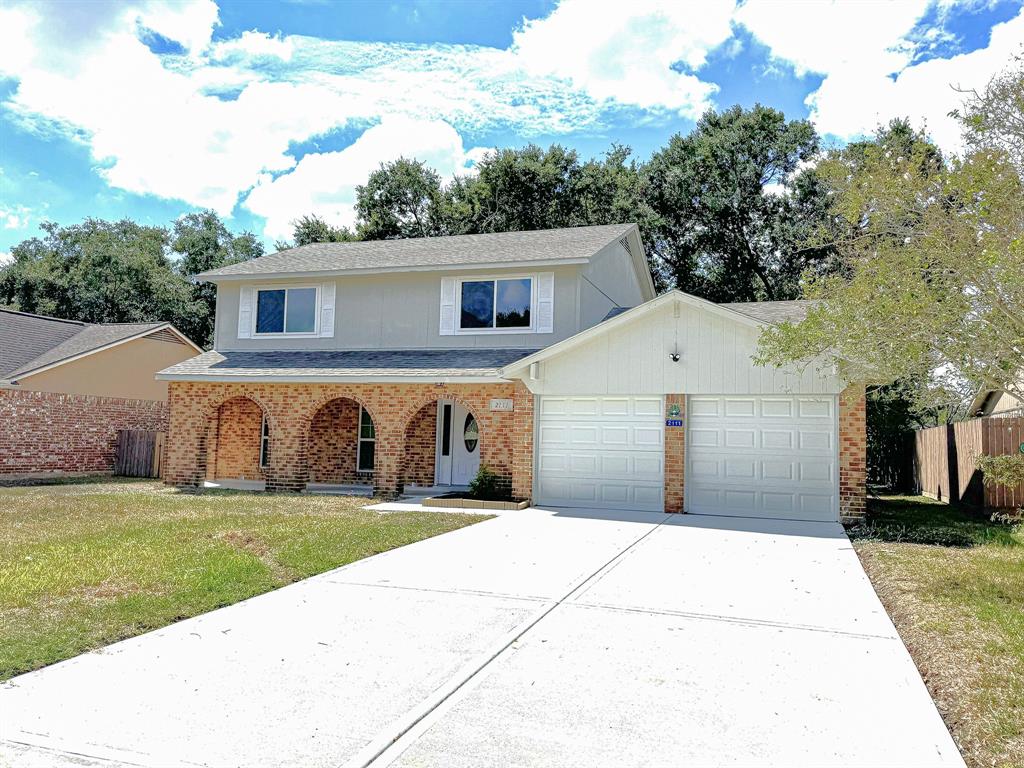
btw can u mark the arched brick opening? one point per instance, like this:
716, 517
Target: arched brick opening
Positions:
232, 445
419, 460
342, 443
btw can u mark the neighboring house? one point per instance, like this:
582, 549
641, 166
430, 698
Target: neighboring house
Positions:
545, 355
66, 388
993, 402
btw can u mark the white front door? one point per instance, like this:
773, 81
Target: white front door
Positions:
601, 452
458, 444
762, 456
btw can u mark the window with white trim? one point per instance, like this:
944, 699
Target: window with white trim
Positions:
367, 442
496, 304
291, 310
264, 444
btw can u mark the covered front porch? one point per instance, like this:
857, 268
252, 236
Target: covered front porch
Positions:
385, 439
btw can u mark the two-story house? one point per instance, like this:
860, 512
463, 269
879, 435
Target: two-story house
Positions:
545, 355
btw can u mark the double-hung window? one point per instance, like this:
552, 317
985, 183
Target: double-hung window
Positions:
286, 310
503, 303
367, 442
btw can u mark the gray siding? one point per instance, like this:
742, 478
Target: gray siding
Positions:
608, 280
399, 311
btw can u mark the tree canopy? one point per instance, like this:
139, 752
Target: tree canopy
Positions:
931, 285
123, 272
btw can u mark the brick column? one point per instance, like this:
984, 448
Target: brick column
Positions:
185, 451
289, 438
675, 456
852, 455
390, 453
522, 442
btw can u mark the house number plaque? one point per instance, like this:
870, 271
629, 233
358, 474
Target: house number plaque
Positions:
501, 404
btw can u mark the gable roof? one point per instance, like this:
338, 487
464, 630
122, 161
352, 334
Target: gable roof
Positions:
748, 315
539, 246
30, 343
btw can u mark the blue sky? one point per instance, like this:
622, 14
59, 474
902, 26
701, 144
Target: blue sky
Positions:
265, 111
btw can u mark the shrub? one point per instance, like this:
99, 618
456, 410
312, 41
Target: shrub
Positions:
1002, 470
485, 485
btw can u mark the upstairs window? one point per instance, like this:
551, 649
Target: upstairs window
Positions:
496, 303
286, 310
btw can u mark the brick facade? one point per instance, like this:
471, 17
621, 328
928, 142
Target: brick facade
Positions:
47, 433
290, 411
420, 447
675, 457
853, 443
234, 440
334, 443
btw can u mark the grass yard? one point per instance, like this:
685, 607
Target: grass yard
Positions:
953, 583
83, 565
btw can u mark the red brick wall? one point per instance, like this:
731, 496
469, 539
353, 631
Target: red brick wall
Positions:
853, 474
235, 441
333, 444
522, 441
675, 457
290, 409
43, 432
421, 447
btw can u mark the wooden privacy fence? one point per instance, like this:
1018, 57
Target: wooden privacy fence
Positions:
138, 453
944, 461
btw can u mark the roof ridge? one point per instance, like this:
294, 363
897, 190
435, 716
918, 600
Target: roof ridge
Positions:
44, 317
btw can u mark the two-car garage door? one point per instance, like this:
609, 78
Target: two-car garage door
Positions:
746, 456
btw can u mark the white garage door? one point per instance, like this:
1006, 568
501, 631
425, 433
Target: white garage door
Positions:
601, 452
762, 457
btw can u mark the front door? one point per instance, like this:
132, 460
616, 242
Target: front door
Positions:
458, 444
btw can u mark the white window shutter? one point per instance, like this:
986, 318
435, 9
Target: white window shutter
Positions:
546, 302
246, 297
327, 310
447, 325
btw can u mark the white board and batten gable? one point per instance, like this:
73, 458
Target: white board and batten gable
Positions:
631, 355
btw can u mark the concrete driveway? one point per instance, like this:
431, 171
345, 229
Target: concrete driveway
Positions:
532, 639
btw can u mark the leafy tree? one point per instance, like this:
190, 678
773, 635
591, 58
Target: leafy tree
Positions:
313, 229
400, 199
932, 282
731, 208
204, 243
994, 117
99, 272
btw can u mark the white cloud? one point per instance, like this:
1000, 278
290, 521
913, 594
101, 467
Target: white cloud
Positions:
5, 258
625, 52
324, 183
867, 60
217, 123
15, 216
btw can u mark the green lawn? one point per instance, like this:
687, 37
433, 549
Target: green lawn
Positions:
83, 565
953, 582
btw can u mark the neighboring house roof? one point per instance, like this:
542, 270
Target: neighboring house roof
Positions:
773, 312
756, 313
380, 364
31, 343
548, 245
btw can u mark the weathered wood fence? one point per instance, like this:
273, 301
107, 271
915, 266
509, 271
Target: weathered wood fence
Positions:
138, 453
944, 461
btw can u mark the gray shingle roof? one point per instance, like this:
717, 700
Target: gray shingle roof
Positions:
455, 250
348, 363
772, 311
28, 342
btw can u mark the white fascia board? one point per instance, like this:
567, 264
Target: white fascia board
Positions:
628, 317
322, 379
119, 342
262, 276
